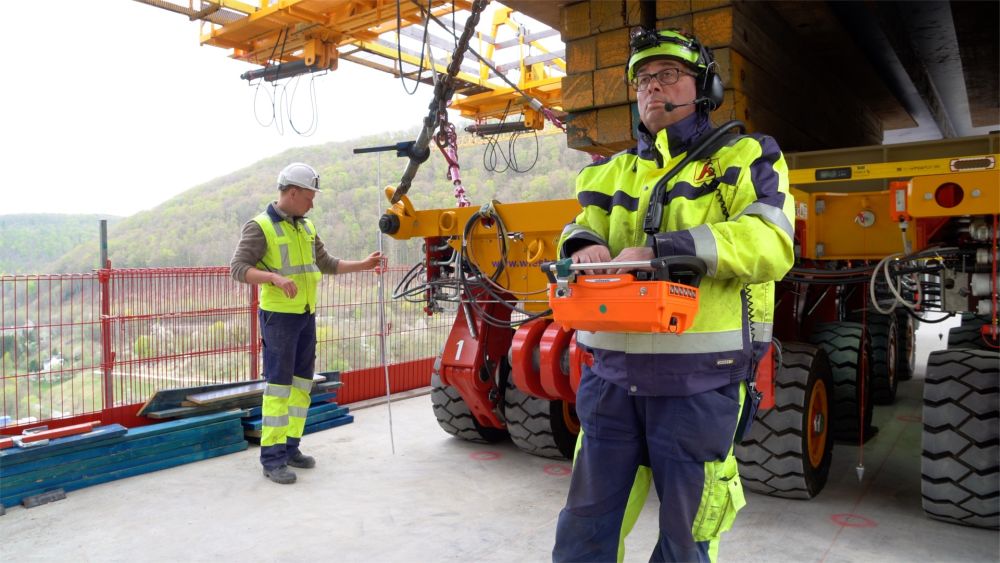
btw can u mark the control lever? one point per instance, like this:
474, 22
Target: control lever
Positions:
678, 269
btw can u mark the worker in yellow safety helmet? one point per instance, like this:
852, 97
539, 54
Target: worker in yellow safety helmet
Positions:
281, 251
670, 407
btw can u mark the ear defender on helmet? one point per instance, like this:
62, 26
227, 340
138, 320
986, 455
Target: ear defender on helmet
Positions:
646, 44
710, 87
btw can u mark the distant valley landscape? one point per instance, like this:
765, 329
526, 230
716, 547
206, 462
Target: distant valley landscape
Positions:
201, 226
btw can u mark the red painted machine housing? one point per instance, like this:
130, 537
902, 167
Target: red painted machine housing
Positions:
470, 361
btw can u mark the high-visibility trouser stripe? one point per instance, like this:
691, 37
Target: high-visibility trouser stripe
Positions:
275, 421
274, 411
302, 383
298, 406
274, 429
279, 391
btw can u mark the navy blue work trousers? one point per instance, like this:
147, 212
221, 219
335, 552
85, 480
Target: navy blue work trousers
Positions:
289, 350
674, 436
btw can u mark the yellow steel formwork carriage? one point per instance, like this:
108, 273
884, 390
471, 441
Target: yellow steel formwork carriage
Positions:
292, 37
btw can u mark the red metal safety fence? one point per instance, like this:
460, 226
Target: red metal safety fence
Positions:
95, 346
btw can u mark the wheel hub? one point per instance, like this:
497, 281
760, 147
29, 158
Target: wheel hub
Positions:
818, 423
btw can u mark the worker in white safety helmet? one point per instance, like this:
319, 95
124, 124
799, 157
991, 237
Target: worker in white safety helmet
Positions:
281, 251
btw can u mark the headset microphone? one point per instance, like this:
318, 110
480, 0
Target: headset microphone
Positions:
671, 107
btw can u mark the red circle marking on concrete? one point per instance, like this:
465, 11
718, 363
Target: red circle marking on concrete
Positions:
909, 418
557, 470
484, 456
848, 520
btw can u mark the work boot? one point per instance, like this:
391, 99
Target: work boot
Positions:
301, 461
281, 475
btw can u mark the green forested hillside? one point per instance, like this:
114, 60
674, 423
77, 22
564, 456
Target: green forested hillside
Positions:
201, 226
30, 242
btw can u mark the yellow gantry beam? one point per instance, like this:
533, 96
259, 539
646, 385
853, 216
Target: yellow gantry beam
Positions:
277, 31
391, 52
883, 171
499, 101
267, 32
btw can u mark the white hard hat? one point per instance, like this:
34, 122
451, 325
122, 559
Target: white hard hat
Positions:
298, 175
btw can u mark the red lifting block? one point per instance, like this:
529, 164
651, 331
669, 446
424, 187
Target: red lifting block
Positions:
523, 369
555, 381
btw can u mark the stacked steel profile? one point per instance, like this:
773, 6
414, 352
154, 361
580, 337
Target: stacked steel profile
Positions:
209, 421
107, 453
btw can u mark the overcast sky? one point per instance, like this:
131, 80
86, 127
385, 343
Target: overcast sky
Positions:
113, 107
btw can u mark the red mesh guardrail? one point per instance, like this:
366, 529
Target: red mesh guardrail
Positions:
93, 345
50, 347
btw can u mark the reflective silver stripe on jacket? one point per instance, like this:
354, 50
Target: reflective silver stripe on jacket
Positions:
292, 270
771, 214
574, 230
279, 391
275, 421
298, 412
658, 343
704, 248
287, 269
762, 332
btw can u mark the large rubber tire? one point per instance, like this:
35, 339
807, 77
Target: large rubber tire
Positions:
540, 427
788, 451
906, 359
852, 403
959, 467
884, 334
968, 335
454, 416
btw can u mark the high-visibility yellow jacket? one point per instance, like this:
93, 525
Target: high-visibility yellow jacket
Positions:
732, 210
291, 252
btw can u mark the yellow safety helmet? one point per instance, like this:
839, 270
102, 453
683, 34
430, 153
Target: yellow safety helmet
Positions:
647, 44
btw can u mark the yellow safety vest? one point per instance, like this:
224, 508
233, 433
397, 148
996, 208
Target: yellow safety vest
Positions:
734, 211
291, 252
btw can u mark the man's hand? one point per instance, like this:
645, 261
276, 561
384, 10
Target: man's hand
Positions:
592, 253
375, 259
634, 254
286, 285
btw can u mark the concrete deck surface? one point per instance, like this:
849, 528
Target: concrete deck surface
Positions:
439, 499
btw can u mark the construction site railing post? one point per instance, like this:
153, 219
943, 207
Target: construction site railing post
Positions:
107, 353
254, 334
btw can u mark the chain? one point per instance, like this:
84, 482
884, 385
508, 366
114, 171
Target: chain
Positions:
443, 90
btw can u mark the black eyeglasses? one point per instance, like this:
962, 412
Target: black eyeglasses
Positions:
666, 77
